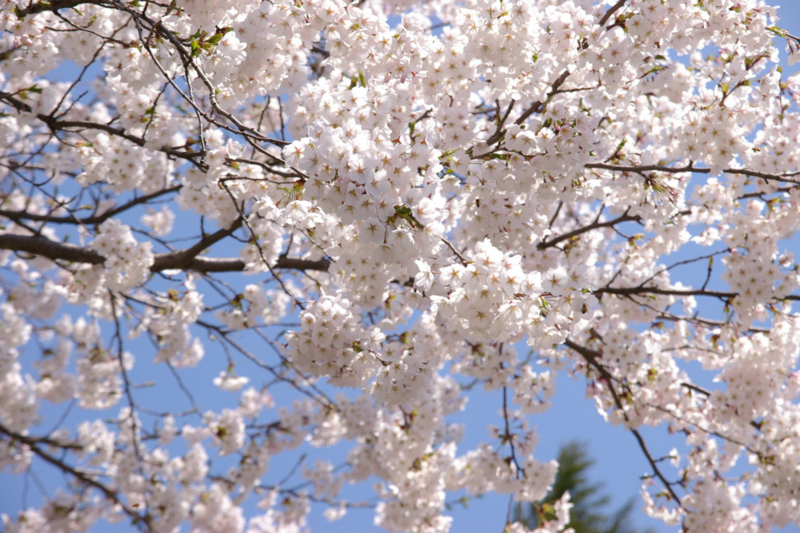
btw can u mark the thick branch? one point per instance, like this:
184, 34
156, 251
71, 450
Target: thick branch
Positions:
624, 291
50, 249
181, 259
607, 15
52, 5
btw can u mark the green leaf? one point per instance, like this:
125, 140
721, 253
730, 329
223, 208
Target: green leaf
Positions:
404, 212
214, 39
548, 513
778, 31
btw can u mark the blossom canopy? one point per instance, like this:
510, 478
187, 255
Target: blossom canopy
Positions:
354, 214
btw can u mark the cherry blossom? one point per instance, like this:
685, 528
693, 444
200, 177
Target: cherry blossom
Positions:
347, 216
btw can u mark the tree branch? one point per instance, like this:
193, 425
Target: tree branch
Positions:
94, 219
51, 249
183, 259
52, 5
584, 229
63, 125
613, 9
538, 105
592, 358
82, 476
624, 291
783, 178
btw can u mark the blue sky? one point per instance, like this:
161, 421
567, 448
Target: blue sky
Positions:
619, 461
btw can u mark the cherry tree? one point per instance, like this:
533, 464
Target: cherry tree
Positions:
359, 213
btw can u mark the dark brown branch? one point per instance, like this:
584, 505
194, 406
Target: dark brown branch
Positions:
613, 9
181, 259
627, 291
647, 168
56, 125
537, 106
50, 249
592, 358
52, 5
687, 262
47, 441
94, 219
584, 229
784, 178
702, 321
508, 437
624, 291
500, 131
692, 386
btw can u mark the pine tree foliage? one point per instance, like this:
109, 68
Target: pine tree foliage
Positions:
589, 514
